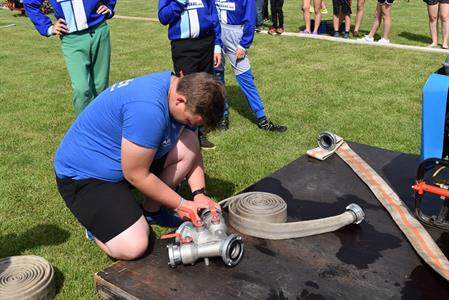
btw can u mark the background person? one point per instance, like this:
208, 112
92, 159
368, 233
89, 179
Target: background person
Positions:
438, 9
342, 12
383, 11
195, 35
137, 133
84, 41
277, 17
317, 6
238, 20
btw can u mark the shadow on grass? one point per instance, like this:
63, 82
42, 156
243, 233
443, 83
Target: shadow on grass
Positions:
237, 101
217, 188
416, 37
40, 235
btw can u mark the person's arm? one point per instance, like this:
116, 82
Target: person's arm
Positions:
42, 23
217, 31
249, 25
136, 162
170, 10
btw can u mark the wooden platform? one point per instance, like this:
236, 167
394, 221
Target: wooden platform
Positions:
372, 260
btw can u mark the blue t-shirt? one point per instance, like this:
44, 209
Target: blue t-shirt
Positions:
135, 109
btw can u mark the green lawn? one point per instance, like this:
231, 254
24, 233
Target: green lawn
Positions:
366, 94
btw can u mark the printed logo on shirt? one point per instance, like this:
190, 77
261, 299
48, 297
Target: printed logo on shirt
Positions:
166, 142
225, 6
194, 4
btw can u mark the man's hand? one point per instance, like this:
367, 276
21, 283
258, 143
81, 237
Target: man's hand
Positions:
217, 60
240, 54
206, 202
189, 209
103, 10
60, 27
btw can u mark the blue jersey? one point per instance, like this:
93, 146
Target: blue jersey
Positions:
78, 14
190, 19
135, 109
239, 12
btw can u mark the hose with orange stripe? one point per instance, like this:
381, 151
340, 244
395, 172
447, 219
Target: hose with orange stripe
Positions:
415, 232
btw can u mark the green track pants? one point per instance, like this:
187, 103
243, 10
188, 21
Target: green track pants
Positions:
87, 55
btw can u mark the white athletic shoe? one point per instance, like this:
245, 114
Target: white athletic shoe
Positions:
366, 39
383, 41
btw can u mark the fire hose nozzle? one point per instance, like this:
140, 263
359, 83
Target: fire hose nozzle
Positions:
357, 211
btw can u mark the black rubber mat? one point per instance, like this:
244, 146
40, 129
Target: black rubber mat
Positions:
372, 260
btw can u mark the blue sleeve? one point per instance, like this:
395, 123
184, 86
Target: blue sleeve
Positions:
111, 5
249, 23
216, 24
143, 124
170, 10
39, 19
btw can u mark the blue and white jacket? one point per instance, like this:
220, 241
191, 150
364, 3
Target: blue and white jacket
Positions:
239, 12
190, 19
78, 14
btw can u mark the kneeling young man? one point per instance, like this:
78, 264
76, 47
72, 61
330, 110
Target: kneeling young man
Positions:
137, 133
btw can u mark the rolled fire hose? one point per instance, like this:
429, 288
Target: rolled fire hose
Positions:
264, 215
26, 277
415, 232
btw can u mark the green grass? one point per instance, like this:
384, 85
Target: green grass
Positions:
369, 95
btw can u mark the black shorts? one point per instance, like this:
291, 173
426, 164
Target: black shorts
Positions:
386, 2
435, 2
193, 55
103, 207
341, 7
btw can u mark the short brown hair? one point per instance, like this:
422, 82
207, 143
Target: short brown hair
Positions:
205, 97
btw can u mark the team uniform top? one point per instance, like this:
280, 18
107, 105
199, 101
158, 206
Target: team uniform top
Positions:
135, 109
78, 14
239, 12
190, 19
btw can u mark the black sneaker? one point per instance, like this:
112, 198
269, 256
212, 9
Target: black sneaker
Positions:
266, 124
205, 144
259, 28
346, 35
224, 124
336, 34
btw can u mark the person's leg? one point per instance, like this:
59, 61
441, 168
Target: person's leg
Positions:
377, 21
386, 15
130, 243
336, 17
280, 4
274, 14
265, 10
432, 12
317, 4
347, 23
359, 16
110, 212
444, 17
259, 15
101, 57
76, 49
306, 14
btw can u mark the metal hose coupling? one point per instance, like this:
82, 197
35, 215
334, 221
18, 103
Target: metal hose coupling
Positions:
327, 140
210, 240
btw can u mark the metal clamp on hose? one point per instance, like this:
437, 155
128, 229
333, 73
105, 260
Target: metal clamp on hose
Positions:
327, 140
211, 240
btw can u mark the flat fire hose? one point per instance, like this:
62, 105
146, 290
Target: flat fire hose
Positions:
264, 215
26, 277
415, 232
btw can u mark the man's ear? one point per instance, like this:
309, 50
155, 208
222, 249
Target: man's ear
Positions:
180, 99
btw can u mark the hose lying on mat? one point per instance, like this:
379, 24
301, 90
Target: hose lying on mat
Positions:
418, 236
264, 215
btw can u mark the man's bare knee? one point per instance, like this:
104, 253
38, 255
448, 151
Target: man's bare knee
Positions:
130, 250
